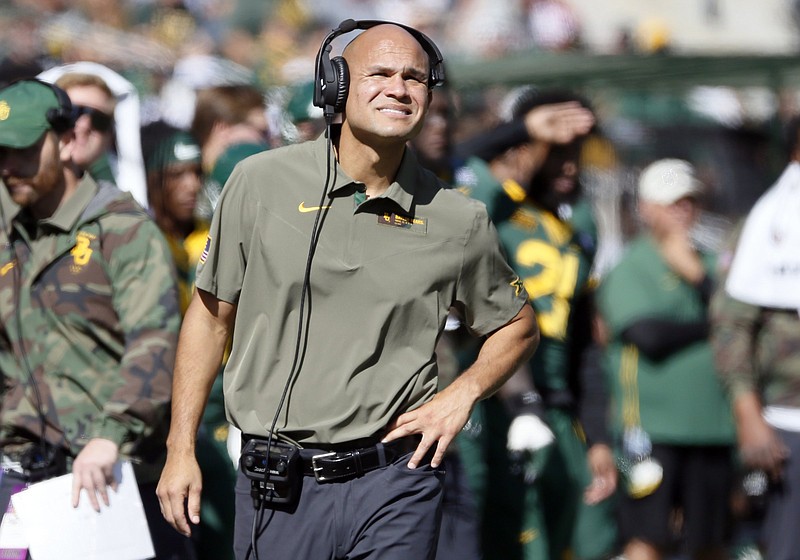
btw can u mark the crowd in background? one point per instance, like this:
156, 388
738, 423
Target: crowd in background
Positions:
216, 81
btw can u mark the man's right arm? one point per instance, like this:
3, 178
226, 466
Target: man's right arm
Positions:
204, 334
734, 330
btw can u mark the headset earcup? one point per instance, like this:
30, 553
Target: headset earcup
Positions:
336, 94
59, 119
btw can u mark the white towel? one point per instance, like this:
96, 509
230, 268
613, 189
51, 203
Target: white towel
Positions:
766, 266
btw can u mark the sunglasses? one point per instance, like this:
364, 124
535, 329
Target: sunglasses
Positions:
101, 122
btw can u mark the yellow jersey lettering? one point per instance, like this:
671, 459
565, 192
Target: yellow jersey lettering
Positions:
556, 278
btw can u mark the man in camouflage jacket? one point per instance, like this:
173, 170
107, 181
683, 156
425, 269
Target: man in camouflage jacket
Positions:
88, 308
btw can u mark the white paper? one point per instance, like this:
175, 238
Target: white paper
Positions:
57, 531
12, 536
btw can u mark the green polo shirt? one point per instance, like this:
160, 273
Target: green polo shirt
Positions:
385, 273
677, 400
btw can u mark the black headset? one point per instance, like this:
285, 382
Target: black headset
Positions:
61, 118
332, 78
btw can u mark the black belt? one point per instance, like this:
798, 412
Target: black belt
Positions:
327, 466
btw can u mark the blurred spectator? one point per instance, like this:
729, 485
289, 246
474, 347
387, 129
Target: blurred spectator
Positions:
107, 132
332, 13
88, 317
673, 417
652, 36
174, 180
192, 73
228, 115
22, 56
434, 143
541, 493
230, 124
553, 25
486, 28
756, 341
306, 121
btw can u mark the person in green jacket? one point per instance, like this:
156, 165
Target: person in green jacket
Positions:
88, 316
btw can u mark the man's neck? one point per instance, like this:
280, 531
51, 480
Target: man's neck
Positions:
174, 228
47, 206
376, 167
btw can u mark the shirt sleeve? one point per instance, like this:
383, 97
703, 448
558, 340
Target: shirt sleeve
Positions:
488, 289
488, 145
222, 264
145, 299
734, 327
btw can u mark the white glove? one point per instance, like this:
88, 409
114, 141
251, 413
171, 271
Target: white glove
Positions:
528, 433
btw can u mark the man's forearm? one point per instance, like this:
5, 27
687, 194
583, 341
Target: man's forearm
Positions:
501, 355
201, 346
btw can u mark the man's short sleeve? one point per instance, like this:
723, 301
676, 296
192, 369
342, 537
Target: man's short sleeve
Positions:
492, 294
220, 270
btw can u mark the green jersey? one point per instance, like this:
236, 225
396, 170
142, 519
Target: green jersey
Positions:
554, 268
546, 254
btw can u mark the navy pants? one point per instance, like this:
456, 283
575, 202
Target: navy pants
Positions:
780, 532
391, 513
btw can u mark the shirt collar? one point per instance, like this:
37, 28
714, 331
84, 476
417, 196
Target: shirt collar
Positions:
66, 214
70, 210
9, 209
402, 189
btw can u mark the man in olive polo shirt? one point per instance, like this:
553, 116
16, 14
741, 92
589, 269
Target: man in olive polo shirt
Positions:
391, 252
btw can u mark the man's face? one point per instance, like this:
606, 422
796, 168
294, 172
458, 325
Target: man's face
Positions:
561, 168
666, 219
433, 140
388, 94
182, 183
557, 181
33, 175
90, 141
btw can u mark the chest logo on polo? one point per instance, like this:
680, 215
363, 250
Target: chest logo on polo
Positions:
81, 252
304, 208
417, 225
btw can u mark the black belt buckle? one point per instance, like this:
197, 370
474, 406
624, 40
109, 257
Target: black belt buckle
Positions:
318, 469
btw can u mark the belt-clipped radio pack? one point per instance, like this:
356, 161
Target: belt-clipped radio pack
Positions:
273, 469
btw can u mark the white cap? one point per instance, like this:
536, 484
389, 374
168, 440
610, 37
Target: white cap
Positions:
668, 180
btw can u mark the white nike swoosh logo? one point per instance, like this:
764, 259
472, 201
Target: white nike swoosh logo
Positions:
304, 208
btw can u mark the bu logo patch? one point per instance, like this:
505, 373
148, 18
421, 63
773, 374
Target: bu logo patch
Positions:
81, 253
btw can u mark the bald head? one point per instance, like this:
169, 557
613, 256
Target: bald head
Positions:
383, 38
